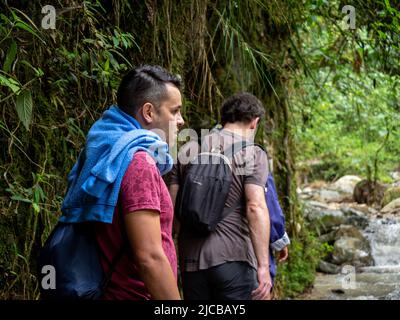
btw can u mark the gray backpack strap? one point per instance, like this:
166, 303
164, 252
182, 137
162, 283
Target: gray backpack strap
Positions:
230, 151
244, 144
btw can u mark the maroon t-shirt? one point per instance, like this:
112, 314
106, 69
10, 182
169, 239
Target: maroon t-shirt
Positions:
142, 188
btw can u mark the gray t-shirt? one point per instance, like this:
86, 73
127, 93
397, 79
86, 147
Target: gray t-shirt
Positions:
231, 239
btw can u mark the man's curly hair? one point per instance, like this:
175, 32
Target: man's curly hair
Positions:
241, 107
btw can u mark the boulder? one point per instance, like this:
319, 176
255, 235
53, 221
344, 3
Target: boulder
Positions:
342, 231
390, 195
352, 251
311, 206
394, 295
327, 267
395, 175
306, 193
369, 192
346, 184
355, 218
326, 195
360, 222
362, 209
329, 237
332, 218
349, 231
393, 207
324, 220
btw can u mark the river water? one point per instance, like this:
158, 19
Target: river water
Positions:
378, 282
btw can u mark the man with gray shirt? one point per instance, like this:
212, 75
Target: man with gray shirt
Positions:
231, 262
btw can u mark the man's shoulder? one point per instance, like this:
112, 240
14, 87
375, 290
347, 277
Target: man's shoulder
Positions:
141, 165
250, 151
142, 158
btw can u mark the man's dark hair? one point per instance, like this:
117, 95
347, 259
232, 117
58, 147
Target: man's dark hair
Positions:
241, 107
144, 84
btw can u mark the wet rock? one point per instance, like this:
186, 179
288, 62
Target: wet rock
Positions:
341, 231
362, 209
306, 193
358, 221
338, 291
355, 218
392, 208
316, 205
346, 184
329, 237
394, 295
395, 175
390, 195
352, 251
328, 268
349, 231
324, 220
325, 195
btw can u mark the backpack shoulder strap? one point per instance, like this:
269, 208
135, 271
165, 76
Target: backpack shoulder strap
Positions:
234, 148
113, 264
248, 144
124, 248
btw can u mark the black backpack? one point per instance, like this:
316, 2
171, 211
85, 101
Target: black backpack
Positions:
204, 189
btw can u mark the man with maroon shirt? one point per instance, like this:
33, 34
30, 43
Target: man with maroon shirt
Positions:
149, 270
117, 183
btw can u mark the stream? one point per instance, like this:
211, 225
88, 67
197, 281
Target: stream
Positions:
378, 282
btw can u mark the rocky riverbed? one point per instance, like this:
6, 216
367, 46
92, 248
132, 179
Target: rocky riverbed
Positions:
365, 259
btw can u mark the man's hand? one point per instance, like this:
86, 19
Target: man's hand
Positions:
283, 254
265, 284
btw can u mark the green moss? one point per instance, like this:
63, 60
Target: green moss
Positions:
390, 195
298, 273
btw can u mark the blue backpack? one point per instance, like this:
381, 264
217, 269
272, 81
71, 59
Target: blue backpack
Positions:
72, 252
278, 236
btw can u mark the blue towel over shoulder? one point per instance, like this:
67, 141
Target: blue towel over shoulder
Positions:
95, 179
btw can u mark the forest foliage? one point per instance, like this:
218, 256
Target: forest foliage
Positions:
330, 94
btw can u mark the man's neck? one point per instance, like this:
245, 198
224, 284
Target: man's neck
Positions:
240, 129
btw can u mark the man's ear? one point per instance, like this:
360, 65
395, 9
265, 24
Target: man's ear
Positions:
147, 112
254, 123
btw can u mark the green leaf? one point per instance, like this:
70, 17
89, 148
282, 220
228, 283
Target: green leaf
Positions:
10, 57
22, 25
107, 65
24, 108
36, 207
19, 198
38, 72
115, 41
14, 85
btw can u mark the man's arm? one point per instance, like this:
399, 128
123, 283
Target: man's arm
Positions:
259, 225
144, 234
173, 191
